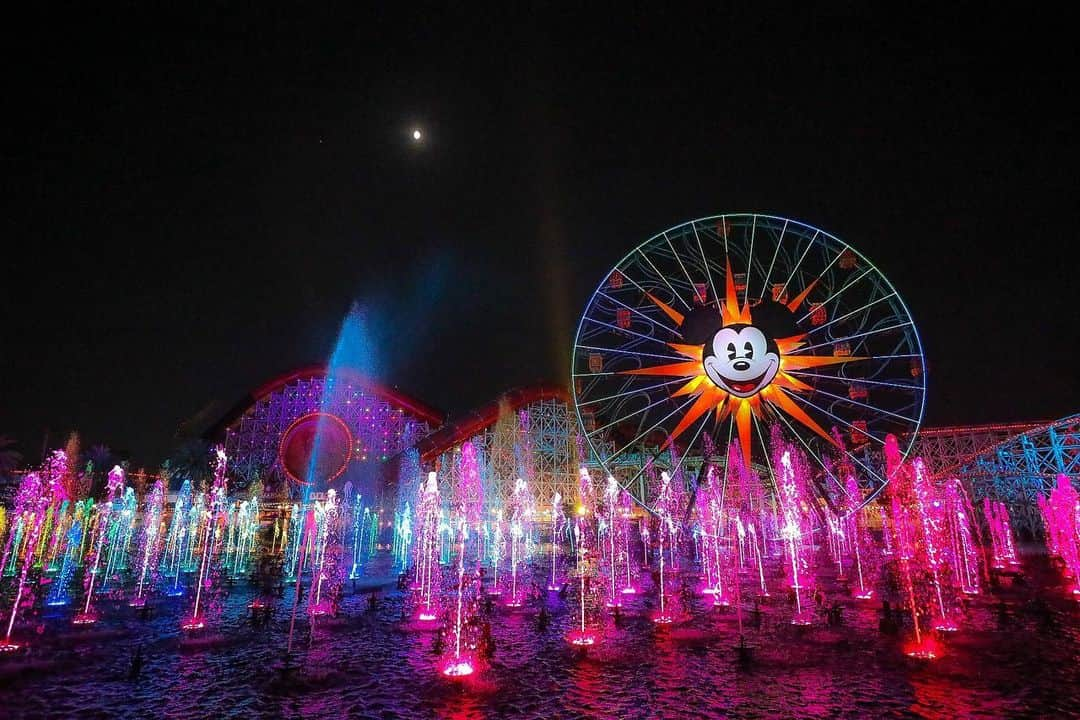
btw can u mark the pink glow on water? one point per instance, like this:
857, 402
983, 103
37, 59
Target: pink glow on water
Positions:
191, 624
458, 667
926, 648
581, 638
946, 625
320, 609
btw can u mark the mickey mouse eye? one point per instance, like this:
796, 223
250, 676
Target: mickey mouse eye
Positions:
749, 351
731, 351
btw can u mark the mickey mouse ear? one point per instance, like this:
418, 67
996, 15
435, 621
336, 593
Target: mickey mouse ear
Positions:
700, 325
775, 320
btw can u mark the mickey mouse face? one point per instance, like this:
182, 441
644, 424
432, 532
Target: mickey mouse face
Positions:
741, 360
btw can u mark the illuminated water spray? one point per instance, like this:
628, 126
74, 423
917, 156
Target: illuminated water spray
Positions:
37, 503
557, 518
1061, 516
581, 636
665, 532
212, 535
1001, 537
521, 512
326, 516
104, 511
174, 545
459, 663
791, 491
427, 549
151, 544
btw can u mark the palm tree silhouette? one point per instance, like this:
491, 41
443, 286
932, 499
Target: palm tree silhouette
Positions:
191, 461
9, 457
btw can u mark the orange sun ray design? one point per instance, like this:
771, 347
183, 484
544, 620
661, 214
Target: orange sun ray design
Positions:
710, 395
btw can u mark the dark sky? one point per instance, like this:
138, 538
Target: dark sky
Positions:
192, 203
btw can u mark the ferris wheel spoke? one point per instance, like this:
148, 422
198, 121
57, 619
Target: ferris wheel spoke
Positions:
761, 437
624, 418
678, 259
623, 351
768, 274
856, 311
705, 261
692, 443
809, 450
838, 293
664, 279
850, 401
764, 450
750, 261
848, 381
841, 420
633, 391
657, 424
795, 269
649, 338
803, 350
808, 286
869, 471
727, 449
638, 312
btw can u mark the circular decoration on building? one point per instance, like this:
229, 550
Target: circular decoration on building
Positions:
716, 330
315, 449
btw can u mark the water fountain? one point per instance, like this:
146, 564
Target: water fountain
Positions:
666, 509
582, 635
214, 519
1061, 518
324, 575
151, 542
59, 594
36, 502
557, 521
521, 513
796, 529
103, 524
460, 662
427, 551
961, 530
1001, 536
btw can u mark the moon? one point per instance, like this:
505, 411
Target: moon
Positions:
417, 135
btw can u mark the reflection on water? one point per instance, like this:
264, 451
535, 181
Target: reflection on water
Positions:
365, 665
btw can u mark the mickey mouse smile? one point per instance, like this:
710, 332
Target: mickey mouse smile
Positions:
747, 386
741, 359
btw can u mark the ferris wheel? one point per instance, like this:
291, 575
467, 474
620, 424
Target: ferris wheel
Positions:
713, 332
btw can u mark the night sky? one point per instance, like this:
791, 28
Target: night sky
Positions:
192, 204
